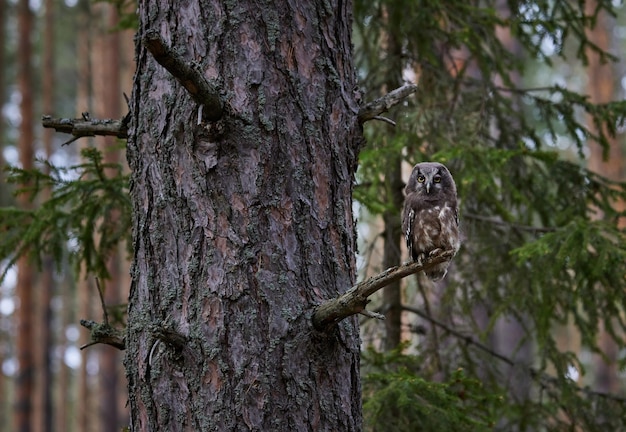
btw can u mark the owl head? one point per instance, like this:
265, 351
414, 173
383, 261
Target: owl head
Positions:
430, 179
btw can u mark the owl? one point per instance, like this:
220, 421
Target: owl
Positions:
430, 216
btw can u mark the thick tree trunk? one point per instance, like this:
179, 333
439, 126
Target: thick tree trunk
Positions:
242, 228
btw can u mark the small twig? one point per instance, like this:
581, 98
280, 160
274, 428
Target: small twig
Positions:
153, 350
384, 119
373, 109
354, 300
372, 314
105, 314
187, 75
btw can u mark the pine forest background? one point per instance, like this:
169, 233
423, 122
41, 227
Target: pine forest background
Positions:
523, 101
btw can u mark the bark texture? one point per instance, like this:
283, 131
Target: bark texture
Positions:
243, 226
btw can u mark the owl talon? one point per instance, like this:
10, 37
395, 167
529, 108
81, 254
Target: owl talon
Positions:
434, 252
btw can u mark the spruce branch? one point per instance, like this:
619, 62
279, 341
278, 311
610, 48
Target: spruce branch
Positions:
372, 110
543, 379
190, 77
355, 299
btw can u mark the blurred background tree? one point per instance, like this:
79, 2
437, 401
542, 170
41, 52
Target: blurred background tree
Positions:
81, 61
521, 100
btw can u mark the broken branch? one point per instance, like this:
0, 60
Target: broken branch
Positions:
355, 299
189, 76
86, 127
373, 109
104, 334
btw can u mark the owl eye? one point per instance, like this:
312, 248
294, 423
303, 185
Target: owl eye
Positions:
437, 179
421, 178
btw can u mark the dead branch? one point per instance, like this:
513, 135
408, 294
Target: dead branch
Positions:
373, 109
191, 78
86, 127
355, 299
102, 333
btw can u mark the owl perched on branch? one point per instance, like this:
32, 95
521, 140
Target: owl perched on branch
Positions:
430, 216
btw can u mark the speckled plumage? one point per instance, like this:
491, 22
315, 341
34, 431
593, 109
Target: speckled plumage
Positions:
430, 215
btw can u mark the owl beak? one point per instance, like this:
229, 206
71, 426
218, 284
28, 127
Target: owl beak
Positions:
427, 187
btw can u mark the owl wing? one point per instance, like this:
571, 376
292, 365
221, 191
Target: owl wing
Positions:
408, 223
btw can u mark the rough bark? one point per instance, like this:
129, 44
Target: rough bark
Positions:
24, 339
243, 226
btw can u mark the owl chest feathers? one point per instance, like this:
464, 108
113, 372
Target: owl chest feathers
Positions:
430, 226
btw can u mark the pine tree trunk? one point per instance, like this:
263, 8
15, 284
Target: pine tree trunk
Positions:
239, 233
25, 280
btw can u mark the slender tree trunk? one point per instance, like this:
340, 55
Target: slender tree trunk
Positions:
392, 295
240, 230
64, 389
24, 340
108, 98
601, 89
44, 317
85, 290
3, 21
5, 384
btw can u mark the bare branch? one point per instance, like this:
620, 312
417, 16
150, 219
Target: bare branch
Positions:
354, 300
86, 127
373, 109
189, 76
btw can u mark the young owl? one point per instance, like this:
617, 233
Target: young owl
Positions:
430, 216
